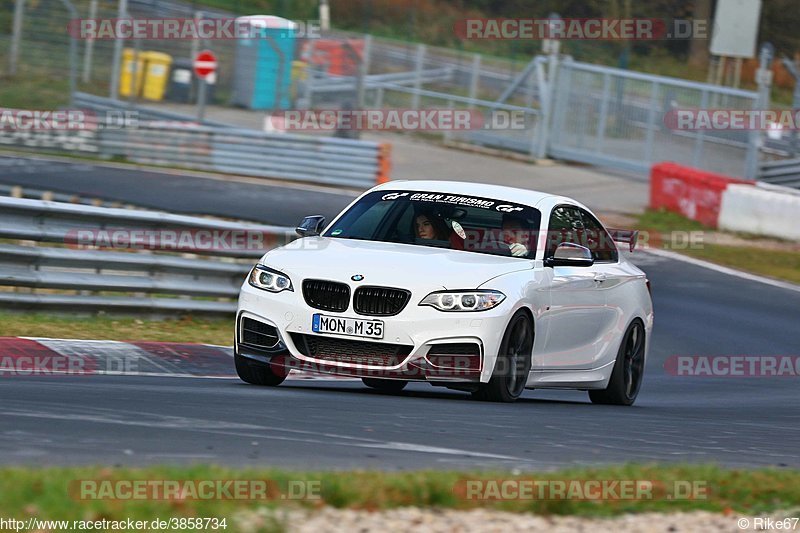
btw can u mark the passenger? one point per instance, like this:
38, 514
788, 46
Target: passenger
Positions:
515, 236
431, 227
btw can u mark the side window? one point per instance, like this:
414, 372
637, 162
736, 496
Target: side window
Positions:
598, 240
566, 225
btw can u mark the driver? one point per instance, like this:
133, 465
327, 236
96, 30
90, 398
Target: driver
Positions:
430, 227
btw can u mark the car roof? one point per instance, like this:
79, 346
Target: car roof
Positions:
496, 192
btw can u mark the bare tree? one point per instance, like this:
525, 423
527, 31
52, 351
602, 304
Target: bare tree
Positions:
698, 48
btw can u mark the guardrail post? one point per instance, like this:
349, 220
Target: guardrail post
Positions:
419, 64
88, 49
546, 88
474, 79
122, 10
764, 81
73, 54
651, 124
384, 163
602, 121
559, 75
16, 36
794, 69
363, 71
448, 133
697, 152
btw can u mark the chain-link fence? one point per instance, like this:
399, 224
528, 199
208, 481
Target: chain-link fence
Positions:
43, 46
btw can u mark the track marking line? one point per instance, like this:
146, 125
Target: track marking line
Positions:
191, 424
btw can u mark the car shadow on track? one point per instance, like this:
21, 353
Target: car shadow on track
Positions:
437, 393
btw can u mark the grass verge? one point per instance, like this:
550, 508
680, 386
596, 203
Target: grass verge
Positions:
187, 329
770, 263
674, 232
54, 493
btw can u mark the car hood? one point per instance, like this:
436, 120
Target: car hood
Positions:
388, 264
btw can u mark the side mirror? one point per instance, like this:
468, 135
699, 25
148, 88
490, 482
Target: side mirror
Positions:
311, 226
569, 254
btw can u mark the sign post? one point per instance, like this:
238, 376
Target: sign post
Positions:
205, 64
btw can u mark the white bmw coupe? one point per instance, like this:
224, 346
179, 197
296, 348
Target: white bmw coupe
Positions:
480, 288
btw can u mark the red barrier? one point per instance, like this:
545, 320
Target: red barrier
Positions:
693, 193
339, 57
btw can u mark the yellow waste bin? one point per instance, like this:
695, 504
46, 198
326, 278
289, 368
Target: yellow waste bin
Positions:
299, 75
129, 65
157, 65
152, 74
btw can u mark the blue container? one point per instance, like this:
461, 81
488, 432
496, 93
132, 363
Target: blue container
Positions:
263, 67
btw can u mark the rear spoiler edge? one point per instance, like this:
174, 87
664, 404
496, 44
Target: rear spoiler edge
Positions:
625, 236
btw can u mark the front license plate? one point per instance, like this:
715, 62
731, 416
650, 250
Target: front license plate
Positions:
338, 325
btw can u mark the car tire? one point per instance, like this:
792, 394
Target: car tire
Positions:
385, 385
513, 364
626, 378
256, 373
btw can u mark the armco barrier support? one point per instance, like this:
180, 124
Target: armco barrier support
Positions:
761, 210
693, 193
384, 163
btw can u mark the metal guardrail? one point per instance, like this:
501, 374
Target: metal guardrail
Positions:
784, 172
165, 138
101, 105
160, 262
306, 158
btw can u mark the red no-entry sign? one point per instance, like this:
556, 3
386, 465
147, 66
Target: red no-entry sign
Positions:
205, 63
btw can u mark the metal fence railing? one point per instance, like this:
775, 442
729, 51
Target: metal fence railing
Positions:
616, 118
96, 258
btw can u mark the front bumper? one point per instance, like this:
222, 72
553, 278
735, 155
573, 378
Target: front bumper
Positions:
421, 332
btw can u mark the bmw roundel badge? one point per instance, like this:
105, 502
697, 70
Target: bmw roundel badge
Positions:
357, 277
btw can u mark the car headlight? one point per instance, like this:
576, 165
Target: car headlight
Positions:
268, 279
464, 300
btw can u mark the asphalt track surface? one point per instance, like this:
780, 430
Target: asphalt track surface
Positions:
172, 191
135, 420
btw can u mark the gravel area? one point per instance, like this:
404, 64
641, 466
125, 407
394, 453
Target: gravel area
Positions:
481, 520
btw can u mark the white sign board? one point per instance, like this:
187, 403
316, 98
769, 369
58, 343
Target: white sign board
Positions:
736, 28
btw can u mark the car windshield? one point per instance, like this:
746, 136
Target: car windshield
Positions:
442, 220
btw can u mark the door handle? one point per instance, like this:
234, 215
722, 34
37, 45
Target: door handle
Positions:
600, 277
